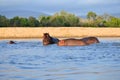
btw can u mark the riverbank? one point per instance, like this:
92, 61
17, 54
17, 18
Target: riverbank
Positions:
22, 32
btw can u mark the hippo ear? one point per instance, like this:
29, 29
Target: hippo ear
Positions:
44, 34
47, 33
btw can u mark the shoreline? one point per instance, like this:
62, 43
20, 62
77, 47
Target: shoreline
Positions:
56, 37
59, 32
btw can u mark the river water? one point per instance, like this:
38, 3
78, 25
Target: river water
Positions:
30, 60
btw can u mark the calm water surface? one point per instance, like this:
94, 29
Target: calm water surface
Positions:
30, 60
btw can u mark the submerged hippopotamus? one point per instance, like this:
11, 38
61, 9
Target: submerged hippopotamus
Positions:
78, 42
47, 39
11, 42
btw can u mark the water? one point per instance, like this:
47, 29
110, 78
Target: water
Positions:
30, 60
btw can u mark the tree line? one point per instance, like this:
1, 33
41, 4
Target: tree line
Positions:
62, 19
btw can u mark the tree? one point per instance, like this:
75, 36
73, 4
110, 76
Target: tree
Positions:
57, 20
4, 22
44, 20
91, 15
64, 19
15, 21
24, 22
106, 17
33, 22
113, 22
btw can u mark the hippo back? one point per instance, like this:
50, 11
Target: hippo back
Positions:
71, 42
90, 40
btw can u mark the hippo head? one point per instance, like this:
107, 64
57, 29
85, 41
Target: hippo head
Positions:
46, 39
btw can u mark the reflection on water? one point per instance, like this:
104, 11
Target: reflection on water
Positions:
30, 60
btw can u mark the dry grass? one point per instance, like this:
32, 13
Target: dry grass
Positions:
16, 32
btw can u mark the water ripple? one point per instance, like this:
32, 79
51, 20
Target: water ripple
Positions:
30, 60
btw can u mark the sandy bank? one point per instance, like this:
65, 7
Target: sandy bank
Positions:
16, 32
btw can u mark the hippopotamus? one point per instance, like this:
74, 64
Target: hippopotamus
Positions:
47, 39
78, 42
11, 42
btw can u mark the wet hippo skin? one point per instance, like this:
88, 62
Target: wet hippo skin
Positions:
78, 42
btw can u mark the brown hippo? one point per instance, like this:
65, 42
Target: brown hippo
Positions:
47, 39
78, 42
11, 42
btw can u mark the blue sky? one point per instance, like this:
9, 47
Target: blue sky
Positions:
79, 7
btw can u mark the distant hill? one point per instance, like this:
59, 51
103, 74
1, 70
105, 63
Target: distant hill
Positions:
112, 14
24, 13
21, 13
116, 15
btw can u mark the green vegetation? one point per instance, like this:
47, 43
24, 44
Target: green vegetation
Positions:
59, 19
91, 15
62, 19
